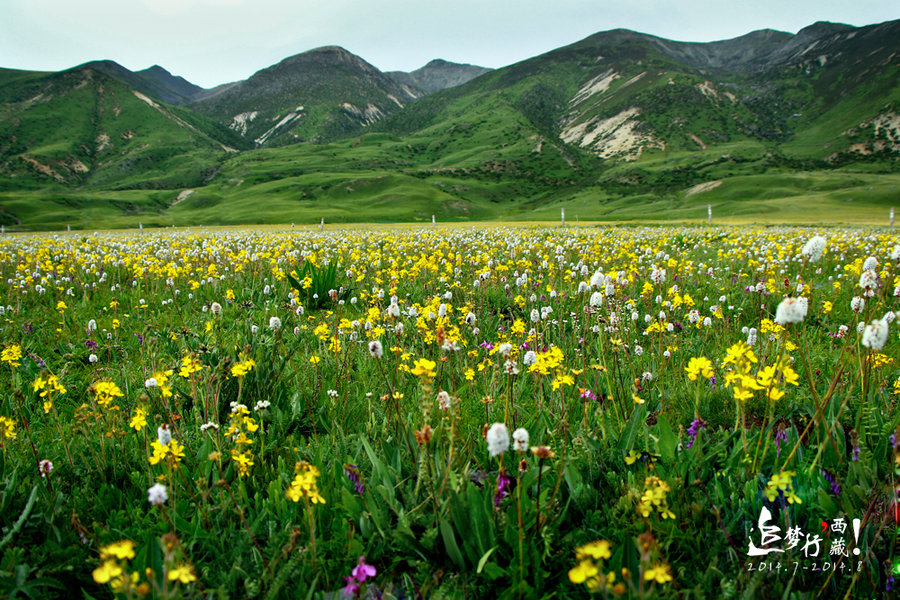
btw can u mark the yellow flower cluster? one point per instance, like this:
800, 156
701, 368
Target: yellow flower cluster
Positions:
12, 355
139, 420
105, 392
304, 484
424, 368
113, 569
7, 429
173, 451
547, 361
699, 366
240, 425
47, 387
589, 568
189, 366
655, 497
740, 377
782, 483
241, 368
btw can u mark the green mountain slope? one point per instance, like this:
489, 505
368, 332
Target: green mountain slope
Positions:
618, 126
322, 94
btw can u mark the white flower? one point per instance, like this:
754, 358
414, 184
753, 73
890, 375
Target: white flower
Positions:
163, 434
497, 439
443, 399
376, 350
150, 383
875, 334
93, 358
296, 331
470, 319
216, 308
889, 316
520, 439
510, 368
895, 253
842, 331
504, 349
157, 495
638, 350
707, 322
535, 315
254, 329
790, 310
530, 358
596, 300
332, 393
857, 304
209, 425
814, 248
262, 405
871, 264
694, 316
274, 323
657, 276
92, 325
45, 467
597, 280
751, 336
610, 289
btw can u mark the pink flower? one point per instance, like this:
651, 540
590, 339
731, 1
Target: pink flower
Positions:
362, 570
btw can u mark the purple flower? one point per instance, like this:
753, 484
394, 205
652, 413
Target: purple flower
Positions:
352, 587
855, 455
831, 478
503, 481
352, 473
90, 344
362, 570
781, 436
140, 338
712, 382
693, 430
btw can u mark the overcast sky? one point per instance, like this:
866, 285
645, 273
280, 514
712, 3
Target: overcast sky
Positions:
217, 41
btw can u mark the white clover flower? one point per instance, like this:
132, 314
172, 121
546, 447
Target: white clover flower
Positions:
860, 327
92, 325
497, 439
842, 331
667, 354
157, 494
92, 358
596, 280
694, 316
889, 316
610, 289
163, 435
535, 315
520, 440
376, 350
658, 276
638, 350
274, 323
510, 368
875, 334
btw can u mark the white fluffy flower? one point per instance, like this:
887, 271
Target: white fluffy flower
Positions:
93, 358
216, 308
150, 383
751, 336
157, 494
790, 310
497, 439
814, 248
658, 276
875, 334
443, 399
376, 350
504, 349
274, 323
520, 439
597, 280
163, 434
254, 329
530, 358
857, 304
871, 264
470, 319
596, 300
92, 325
895, 253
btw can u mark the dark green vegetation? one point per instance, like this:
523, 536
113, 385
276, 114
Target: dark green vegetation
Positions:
619, 126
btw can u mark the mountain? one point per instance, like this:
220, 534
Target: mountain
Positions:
438, 75
84, 126
619, 125
317, 95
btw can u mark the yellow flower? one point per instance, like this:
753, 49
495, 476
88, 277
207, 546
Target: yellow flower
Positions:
244, 461
61, 306
189, 366
120, 550
597, 550
470, 374
659, 573
107, 571
11, 355
106, 392
304, 484
424, 368
183, 573
7, 428
698, 366
139, 420
584, 570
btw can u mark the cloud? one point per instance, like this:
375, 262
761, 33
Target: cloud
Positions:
177, 7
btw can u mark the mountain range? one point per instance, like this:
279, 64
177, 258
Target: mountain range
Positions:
616, 126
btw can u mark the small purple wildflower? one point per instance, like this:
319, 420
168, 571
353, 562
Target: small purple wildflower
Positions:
693, 430
352, 473
781, 436
831, 478
503, 481
855, 455
90, 344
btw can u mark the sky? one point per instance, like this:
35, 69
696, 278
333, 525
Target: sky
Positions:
210, 42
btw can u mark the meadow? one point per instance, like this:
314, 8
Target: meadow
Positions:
452, 412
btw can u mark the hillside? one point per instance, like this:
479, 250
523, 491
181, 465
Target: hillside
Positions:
620, 125
318, 95
438, 75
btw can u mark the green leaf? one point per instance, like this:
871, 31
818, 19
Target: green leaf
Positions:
484, 559
450, 543
667, 441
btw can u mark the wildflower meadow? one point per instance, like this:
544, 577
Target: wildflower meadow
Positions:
459, 412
